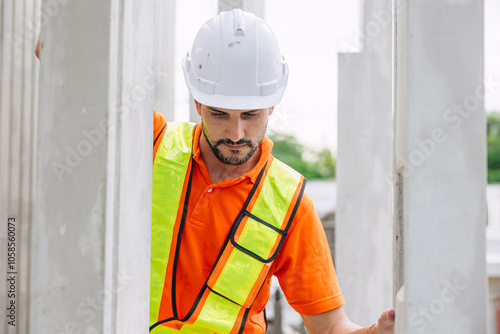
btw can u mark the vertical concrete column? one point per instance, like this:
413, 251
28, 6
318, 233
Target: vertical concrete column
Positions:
440, 168
91, 234
164, 99
254, 6
363, 231
18, 112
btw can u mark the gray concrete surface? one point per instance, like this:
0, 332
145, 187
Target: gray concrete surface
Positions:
363, 236
91, 234
440, 161
18, 115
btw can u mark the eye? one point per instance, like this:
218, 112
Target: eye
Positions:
250, 115
218, 114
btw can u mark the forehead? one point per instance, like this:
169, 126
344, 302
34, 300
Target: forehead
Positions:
230, 111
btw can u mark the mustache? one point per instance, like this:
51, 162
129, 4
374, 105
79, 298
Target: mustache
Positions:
230, 142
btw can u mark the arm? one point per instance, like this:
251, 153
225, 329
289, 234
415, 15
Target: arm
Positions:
307, 276
336, 322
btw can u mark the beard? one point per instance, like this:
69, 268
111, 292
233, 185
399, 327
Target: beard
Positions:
234, 157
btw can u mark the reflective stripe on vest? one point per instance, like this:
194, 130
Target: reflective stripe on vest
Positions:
245, 259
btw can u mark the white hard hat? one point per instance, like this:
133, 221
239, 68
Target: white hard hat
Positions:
235, 63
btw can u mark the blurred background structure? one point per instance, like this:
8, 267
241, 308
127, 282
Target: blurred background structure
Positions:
388, 124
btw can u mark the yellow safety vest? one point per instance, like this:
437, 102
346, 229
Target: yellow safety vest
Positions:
255, 239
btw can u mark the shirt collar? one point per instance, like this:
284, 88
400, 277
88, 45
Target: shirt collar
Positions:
265, 146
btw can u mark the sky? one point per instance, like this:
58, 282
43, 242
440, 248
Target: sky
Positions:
310, 37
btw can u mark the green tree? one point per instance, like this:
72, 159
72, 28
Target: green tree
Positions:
493, 140
312, 164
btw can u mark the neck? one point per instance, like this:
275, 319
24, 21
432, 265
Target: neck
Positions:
220, 171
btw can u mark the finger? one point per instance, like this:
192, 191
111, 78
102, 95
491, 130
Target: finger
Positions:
37, 47
386, 320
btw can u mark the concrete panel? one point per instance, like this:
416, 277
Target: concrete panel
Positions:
363, 235
6, 208
440, 168
164, 58
91, 234
6, 13
18, 110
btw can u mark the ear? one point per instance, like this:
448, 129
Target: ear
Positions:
271, 111
198, 107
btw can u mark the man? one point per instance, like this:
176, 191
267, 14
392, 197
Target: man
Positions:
227, 216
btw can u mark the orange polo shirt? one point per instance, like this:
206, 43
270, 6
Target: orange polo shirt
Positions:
304, 266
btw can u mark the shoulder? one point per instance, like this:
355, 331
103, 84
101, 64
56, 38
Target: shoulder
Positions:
159, 119
306, 212
305, 267
160, 125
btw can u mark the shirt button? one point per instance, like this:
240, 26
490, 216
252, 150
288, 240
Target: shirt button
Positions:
210, 190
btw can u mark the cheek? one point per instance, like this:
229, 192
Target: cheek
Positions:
255, 130
214, 128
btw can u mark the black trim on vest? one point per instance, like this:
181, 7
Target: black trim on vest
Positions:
244, 320
181, 228
272, 227
246, 250
161, 131
221, 295
254, 189
179, 237
289, 224
159, 323
292, 216
283, 233
234, 227
227, 238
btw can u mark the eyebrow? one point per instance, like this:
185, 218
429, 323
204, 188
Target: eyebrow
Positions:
217, 110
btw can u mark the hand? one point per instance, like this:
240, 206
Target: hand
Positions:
336, 322
37, 47
385, 323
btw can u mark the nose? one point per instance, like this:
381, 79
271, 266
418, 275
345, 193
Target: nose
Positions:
235, 131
